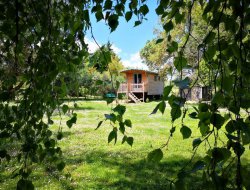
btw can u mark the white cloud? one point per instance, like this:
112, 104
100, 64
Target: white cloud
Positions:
134, 61
92, 46
116, 49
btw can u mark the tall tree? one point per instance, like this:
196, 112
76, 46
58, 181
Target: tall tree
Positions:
41, 39
223, 50
39, 42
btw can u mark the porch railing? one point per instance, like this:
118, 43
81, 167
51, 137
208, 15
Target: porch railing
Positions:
124, 87
137, 87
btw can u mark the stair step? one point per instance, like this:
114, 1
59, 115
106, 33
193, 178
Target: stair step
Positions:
133, 97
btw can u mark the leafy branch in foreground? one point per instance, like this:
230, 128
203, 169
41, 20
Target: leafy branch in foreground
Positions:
224, 52
40, 42
118, 124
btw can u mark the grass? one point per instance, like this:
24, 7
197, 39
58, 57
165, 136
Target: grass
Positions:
92, 163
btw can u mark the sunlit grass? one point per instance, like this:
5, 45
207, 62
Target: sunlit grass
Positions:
94, 164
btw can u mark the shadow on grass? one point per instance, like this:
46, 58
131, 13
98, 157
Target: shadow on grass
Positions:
76, 99
83, 108
131, 173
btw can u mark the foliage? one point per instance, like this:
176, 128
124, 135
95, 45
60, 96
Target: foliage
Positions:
42, 41
105, 61
224, 54
155, 55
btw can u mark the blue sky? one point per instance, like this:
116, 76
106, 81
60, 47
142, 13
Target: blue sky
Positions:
127, 40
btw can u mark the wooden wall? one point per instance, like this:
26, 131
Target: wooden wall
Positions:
151, 86
130, 78
155, 87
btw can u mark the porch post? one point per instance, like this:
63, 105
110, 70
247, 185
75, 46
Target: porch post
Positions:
143, 91
127, 92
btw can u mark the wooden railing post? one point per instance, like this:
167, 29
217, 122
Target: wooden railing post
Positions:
143, 91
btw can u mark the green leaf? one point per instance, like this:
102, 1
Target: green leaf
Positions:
59, 135
155, 110
144, 9
186, 132
122, 127
159, 40
218, 99
65, 108
72, 121
203, 107
86, 16
172, 130
204, 128
99, 125
159, 10
179, 17
128, 123
99, 16
208, 8
119, 9
155, 155
109, 100
196, 142
120, 109
111, 117
193, 115
238, 148
210, 53
166, 92
124, 139
172, 47
23, 184
162, 106
233, 107
204, 117
5, 96
108, 4
113, 22
112, 135
217, 120
137, 23
180, 63
3, 153
220, 154
168, 26
209, 38
130, 140
60, 166
128, 15
175, 112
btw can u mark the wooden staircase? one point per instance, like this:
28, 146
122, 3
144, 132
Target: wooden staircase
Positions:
133, 97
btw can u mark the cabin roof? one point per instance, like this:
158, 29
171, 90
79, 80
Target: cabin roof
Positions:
136, 70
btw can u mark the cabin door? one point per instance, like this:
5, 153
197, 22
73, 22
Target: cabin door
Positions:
137, 82
137, 78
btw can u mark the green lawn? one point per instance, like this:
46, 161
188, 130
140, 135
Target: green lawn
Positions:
94, 164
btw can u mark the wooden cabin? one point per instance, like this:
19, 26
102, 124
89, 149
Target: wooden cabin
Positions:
196, 93
141, 84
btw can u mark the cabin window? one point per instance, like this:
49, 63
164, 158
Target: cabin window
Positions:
137, 78
157, 78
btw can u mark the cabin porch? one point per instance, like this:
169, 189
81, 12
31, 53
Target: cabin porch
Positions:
134, 91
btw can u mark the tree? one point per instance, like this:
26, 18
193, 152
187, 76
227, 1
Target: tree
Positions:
224, 52
41, 40
158, 53
109, 65
154, 55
